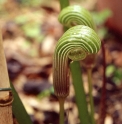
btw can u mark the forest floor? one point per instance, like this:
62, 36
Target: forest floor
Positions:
30, 32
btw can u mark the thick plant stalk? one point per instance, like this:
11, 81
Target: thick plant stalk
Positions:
64, 3
5, 98
80, 99
61, 103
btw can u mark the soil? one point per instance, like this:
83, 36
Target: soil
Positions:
29, 45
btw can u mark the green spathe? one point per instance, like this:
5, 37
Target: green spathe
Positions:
75, 15
78, 37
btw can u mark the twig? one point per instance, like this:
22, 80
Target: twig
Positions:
102, 111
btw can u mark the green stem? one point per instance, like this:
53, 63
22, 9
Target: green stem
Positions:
64, 3
89, 73
61, 103
79, 92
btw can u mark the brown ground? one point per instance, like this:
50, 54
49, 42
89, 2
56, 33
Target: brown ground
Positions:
30, 34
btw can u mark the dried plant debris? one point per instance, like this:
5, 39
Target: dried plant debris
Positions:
30, 31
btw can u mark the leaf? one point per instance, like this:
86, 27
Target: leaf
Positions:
110, 70
21, 19
117, 76
101, 17
33, 3
46, 93
18, 109
32, 30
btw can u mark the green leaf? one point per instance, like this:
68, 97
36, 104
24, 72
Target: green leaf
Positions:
46, 93
21, 19
33, 3
18, 109
100, 17
110, 70
32, 30
117, 76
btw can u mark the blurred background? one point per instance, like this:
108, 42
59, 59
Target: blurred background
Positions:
30, 30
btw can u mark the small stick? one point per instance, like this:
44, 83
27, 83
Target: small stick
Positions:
102, 111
